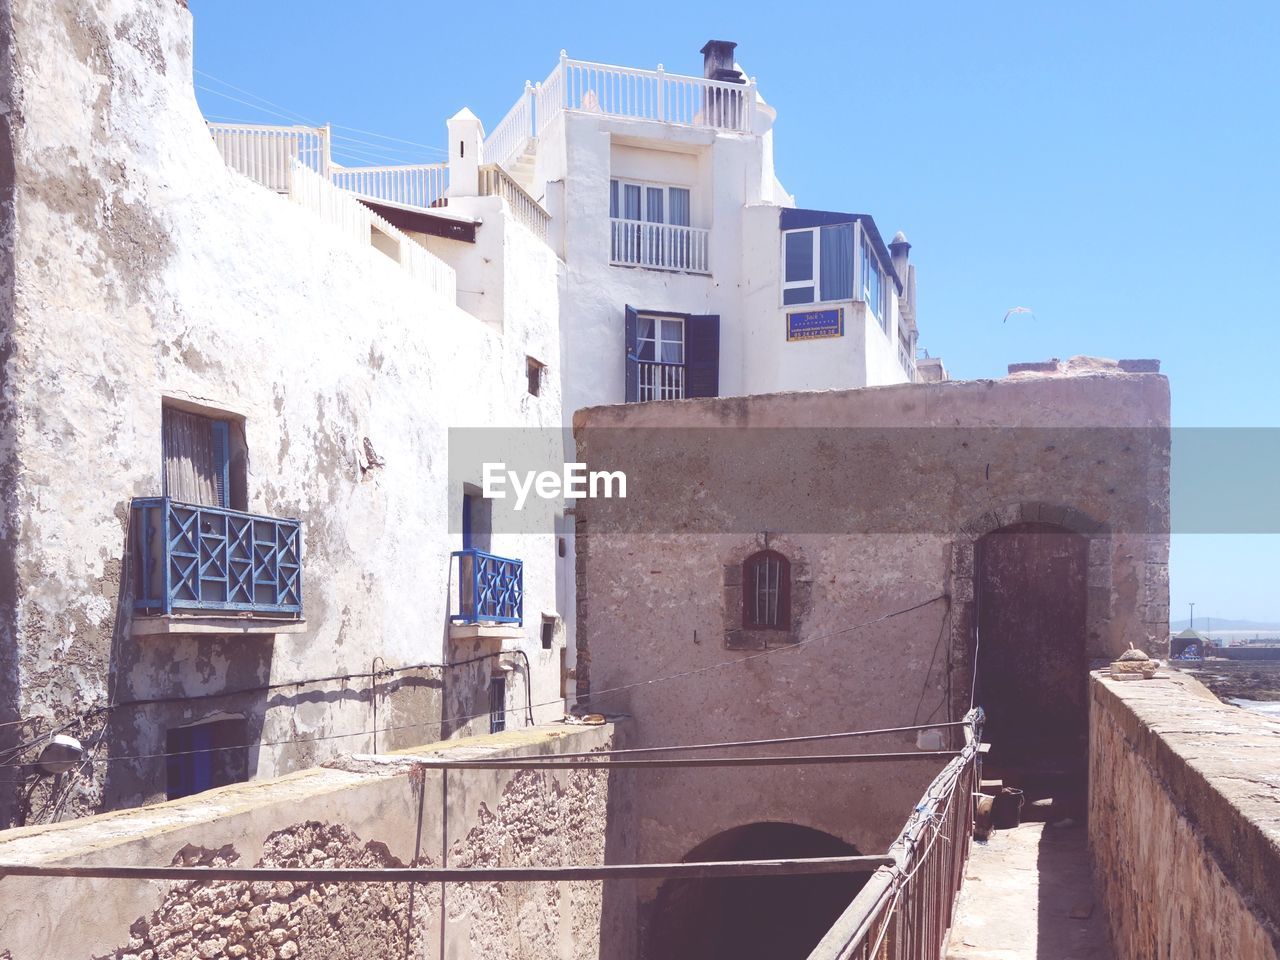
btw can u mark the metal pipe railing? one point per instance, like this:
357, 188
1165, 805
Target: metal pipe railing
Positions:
904, 911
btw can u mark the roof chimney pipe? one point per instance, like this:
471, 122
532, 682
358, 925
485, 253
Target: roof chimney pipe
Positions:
717, 61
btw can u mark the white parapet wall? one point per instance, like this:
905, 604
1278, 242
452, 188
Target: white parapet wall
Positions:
367, 229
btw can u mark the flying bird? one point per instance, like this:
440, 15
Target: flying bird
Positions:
1013, 310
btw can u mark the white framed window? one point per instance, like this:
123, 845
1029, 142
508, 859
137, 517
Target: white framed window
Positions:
660, 351
649, 227
649, 202
817, 264
874, 287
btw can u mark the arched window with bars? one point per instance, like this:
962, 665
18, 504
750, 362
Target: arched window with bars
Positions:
766, 591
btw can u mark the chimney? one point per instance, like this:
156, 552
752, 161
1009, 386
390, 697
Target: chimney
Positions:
717, 61
466, 142
899, 251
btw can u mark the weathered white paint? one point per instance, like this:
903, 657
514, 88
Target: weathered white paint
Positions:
144, 268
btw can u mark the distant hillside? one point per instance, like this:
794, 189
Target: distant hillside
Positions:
1215, 624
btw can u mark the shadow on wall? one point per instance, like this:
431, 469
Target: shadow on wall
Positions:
769, 918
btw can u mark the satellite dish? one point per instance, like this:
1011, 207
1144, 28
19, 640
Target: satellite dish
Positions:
61, 754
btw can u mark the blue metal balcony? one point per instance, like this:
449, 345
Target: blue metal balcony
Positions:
490, 588
197, 558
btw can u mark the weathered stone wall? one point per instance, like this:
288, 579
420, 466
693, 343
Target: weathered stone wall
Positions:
363, 812
142, 269
876, 496
1184, 802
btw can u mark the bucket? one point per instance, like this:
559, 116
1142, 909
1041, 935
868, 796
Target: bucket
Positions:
1007, 812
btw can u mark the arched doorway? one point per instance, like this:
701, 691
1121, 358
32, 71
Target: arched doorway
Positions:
778, 918
1031, 593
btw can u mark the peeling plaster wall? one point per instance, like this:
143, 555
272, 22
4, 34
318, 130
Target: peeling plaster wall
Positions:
872, 518
1183, 807
143, 268
382, 813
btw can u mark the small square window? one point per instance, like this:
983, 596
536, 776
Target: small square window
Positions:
548, 631
534, 371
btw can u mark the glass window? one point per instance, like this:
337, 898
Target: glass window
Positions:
631, 201
799, 256
660, 350
836, 264
679, 215
873, 282
818, 264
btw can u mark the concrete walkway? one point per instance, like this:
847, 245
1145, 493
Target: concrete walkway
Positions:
1028, 895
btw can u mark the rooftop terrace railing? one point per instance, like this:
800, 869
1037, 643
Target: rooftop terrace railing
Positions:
588, 87
904, 912
265, 152
411, 184
357, 221
496, 182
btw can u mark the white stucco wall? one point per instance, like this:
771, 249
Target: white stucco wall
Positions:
145, 269
736, 195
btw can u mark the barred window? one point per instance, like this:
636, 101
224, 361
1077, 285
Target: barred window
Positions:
766, 591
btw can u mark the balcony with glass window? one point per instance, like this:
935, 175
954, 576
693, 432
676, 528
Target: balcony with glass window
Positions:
204, 569
649, 227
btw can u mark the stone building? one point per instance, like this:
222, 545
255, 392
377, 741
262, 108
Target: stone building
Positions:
837, 561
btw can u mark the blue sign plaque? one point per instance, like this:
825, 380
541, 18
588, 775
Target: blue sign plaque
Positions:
815, 324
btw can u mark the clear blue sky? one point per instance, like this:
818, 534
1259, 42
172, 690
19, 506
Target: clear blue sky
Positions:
1111, 166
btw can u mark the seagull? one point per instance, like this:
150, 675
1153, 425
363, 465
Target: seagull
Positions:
1013, 310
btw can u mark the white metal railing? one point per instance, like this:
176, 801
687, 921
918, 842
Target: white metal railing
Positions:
644, 94
514, 132
659, 246
660, 381
496, 182
415, 185
620, 92
264, 152
339, 208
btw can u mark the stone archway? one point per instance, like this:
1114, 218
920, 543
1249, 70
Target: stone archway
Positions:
778, 918
1097, 616
1032, 607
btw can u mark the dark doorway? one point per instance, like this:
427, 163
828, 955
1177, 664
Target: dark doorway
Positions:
770, 918
1032, 591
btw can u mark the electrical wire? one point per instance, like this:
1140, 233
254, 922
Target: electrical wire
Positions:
283, 110
462, 719
924, 687
386, 148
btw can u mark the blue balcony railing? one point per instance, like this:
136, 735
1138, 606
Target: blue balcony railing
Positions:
195, 558
490, 588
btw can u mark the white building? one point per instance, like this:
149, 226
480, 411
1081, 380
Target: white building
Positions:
315, 561
688, 269
684, 267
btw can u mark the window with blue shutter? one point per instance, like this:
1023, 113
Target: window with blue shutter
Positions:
671, 356
702, 355
631, 389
